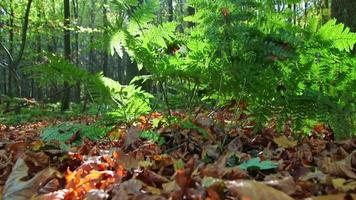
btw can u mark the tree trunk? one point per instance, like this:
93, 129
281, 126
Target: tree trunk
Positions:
170, 10
345, 11
106, 35
16, 62
67, 53
76, 48
11, 51
91, 38
39, 51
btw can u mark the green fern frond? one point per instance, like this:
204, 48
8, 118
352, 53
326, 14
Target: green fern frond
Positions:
158, 35
341, 37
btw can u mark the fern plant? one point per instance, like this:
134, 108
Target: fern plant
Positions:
245, 49
251, 52
63, 133
127, 101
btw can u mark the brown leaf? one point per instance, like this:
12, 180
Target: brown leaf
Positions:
127, 160
17, 189
16, 149
96, 195
255, 190
334, 197
170, 187
127, 189
306, 153
211, 150
132, 136
219, 170
151, 178
284, 142
341, 168
285, 183
51, 186
235, 145
57, 195
203, 121
74, 137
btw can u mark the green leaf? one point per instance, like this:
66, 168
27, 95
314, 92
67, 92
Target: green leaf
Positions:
256, 163
342, 38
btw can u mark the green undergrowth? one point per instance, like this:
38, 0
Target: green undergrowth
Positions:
36, 113
69, 134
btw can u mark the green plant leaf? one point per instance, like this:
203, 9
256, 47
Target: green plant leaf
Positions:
256, 163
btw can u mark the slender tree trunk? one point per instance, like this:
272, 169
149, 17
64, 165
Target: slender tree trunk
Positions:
91, 38
17, 60
11, 51
170, 10
120, 70
39, 51
76, 48
106, 35
67, 53
3, 69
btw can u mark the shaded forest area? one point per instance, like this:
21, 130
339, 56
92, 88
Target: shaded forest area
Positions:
177, 99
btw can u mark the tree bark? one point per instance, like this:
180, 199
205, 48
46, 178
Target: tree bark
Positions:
345, 11
67, 54
170, 10
106, 35
11, 51
91, 38
76, 49
17, 60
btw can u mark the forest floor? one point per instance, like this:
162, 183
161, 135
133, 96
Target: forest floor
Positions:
211, 155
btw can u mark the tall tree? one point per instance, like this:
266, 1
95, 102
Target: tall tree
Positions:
76, 47
170, 10
345, 11
67, 53
106, 35
14, 63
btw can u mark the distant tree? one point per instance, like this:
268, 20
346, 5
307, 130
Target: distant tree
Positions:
67, 53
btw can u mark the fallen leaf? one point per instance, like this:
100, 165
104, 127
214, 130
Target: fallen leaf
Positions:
342, 185
284, 142
284, 183
37, 145
258, 164
57, 195
170, 187
127, 189
17, 189
333, 197
219, 170
74, 137
341, 168
96, 195
132, 136
255, 190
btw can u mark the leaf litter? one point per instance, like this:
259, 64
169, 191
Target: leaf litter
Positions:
208, 155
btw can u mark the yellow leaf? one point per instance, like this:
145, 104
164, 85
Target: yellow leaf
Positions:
284, 142
36, 146
153, 190
341, 184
